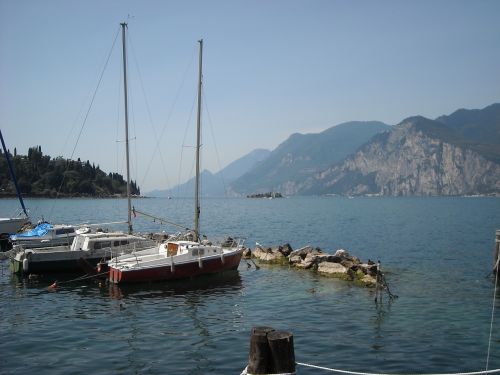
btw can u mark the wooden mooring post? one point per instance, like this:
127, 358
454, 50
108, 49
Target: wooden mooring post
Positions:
271, 352
496, 260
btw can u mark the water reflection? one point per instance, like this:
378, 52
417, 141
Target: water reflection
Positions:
191, 288
184, 320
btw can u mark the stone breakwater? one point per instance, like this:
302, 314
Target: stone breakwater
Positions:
339, 265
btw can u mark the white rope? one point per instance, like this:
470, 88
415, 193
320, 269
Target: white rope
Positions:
492, 311
369, 373
244, 372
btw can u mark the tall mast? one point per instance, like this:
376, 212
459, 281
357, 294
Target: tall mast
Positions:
129, 220
11, 169
198, 136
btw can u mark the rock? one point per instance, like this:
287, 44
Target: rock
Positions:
247, 253
303, 251
305, 265
369, 269
342, 253
340, 265
334, 259
333, 269
369, 281
286, 249
294, 259
347, 263
269, 255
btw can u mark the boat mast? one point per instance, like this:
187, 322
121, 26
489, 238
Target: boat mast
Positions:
129, 220
198, 135
11, 169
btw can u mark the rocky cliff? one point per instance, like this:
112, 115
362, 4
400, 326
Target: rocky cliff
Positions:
417, 157
304, 155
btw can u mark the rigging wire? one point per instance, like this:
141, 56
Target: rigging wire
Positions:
183, 145
215, 143
86, 116
169, 116
148, 110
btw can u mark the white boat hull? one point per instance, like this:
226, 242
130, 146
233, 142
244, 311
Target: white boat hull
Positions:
12, 225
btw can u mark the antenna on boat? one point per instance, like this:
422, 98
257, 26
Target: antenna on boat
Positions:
129, 220
198, 126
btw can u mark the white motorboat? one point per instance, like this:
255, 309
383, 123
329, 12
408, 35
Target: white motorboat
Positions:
90, 248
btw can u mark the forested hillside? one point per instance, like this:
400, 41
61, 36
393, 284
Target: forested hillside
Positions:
40, 175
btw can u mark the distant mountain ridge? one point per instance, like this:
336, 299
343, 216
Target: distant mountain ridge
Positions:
303, 155
456, 154
215, 185
421, 157
477, 129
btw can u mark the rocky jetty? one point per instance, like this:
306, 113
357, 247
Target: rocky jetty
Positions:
339, 265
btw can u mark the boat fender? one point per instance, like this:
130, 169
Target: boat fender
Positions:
25, 265
200, 263
222, 257
172, 264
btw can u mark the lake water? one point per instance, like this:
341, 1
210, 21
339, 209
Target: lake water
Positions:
436, 252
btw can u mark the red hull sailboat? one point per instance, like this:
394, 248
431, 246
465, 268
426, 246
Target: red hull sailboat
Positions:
178, 259
191, 259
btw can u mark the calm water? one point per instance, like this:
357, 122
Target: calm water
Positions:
437, 253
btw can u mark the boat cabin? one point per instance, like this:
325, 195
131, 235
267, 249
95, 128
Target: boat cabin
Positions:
97, 241
195, 249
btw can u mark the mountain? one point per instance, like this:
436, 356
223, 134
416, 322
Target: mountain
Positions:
214, 185
240, 166
303, 155
456, 154
420, 157
478, 128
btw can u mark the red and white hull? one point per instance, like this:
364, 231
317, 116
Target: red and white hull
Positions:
181, 270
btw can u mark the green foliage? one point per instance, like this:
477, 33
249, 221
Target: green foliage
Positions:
39, 175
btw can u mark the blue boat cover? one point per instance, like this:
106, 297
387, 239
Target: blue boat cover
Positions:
38, 231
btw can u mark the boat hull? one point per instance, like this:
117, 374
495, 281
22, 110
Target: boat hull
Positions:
12, 225
68, 263
37, 243
183, 270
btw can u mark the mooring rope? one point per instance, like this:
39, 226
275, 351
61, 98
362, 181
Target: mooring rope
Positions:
492, 312
79, 278
244, 372
369, 373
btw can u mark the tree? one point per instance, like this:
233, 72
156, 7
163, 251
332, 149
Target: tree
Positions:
40, 175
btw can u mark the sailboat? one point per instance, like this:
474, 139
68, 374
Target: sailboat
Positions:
13, 224
90, 248
177, 259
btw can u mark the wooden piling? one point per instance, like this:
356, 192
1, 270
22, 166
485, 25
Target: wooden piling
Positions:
282, 352
271, 352
259, 358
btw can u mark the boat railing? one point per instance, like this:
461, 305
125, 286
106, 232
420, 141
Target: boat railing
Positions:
229, 242
126, 249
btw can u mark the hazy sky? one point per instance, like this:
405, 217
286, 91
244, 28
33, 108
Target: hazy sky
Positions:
271, 68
